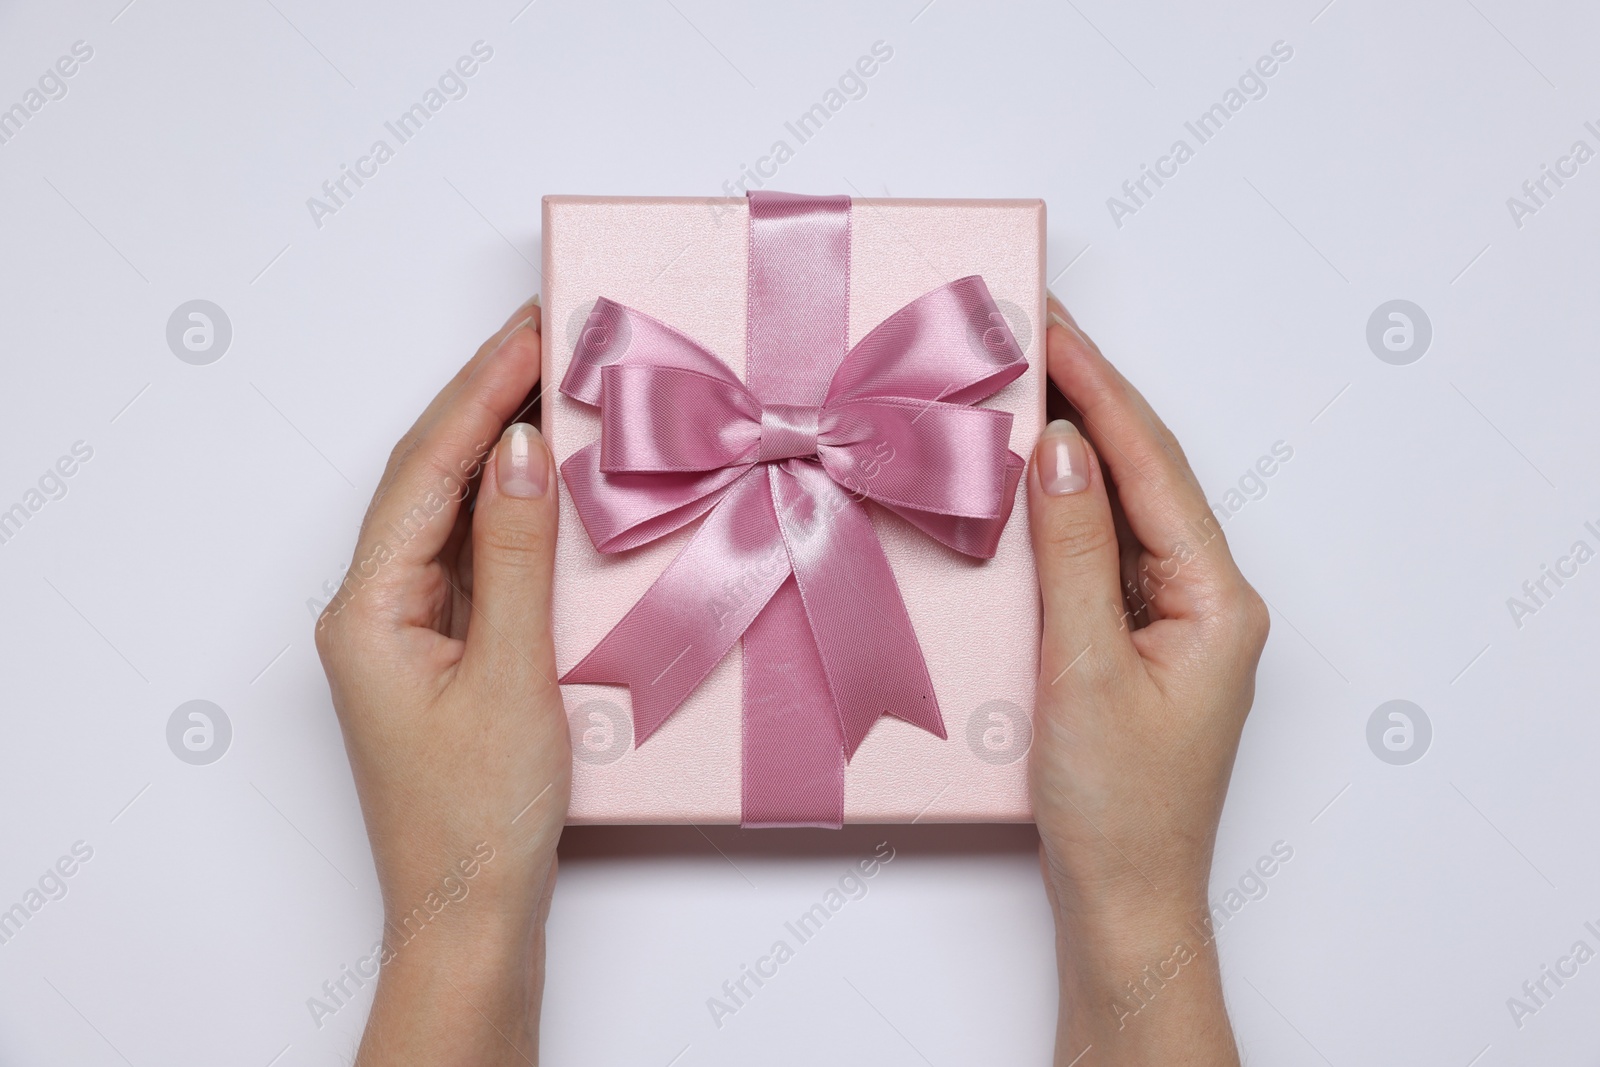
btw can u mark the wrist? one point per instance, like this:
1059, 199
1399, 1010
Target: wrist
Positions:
1140, 983
463, 993
461, 972
1113, 907
487, 896
477, 936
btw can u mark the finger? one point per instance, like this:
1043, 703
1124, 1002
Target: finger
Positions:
529, 315
1165, 507
1061, 316
411, 519
1075, 546
513, 555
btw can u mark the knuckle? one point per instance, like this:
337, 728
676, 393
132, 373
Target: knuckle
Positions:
402, 451
1097, 669
330, 635
322, 635
443, 481
346, 626
1247, 616
1091, 668
446, 461
513, 541
1260, 622
1174, 450
1077, 533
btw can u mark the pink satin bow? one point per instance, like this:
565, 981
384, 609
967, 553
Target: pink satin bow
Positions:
787, 557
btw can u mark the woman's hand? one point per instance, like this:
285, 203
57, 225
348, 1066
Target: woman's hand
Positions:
1151, 639
438, 652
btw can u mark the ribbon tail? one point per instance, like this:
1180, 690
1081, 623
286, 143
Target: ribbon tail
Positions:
793, 745
864, 638
688, 620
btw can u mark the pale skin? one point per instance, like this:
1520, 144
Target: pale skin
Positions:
438, 652
1151, 640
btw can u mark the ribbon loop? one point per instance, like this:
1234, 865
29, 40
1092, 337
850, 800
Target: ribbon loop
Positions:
664, 419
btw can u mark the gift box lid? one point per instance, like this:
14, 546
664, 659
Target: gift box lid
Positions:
683, 261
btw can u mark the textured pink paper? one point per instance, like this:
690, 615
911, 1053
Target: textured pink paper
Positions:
682, 260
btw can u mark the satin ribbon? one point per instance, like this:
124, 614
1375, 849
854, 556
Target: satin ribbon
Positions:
780, 468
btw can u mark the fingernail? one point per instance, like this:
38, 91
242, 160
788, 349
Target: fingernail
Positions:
1063, 459
1072, 328
1060, 316
523, 325
523, 462
1057, 310
531, 302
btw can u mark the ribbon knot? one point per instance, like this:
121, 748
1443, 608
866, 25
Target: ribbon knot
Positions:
788, 431
787, 557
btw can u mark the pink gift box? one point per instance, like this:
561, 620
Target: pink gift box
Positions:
682, 260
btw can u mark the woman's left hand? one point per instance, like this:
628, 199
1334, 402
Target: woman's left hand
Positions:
438, 652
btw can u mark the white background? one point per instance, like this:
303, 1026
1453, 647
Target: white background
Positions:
220, 498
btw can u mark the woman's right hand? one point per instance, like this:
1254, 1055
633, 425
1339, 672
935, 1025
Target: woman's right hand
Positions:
1151, 640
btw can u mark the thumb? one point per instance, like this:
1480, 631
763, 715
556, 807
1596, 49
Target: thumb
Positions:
1075, 545
513, 555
